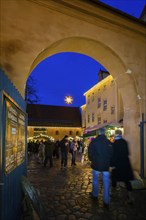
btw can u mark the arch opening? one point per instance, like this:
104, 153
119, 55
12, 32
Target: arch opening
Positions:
117, 68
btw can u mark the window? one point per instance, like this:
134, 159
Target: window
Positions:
70, 132
77, 133
92, 117
88, 118
98, 102
104, 121
112, 110
98, 120
104, 105
57, 132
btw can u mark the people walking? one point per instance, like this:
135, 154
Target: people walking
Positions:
48, 152
41, 152
57, 149
36, 149
99, 153
73, 147
64, 148
121, 166
84, 153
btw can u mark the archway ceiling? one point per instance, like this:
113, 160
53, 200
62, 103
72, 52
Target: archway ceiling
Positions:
29, 27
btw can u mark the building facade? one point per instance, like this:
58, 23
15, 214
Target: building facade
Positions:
103, 108
53, 121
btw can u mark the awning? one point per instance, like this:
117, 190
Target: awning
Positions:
91, 133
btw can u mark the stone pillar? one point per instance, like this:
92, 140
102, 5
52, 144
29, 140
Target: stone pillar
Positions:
132, 135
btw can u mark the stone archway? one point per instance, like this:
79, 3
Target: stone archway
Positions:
112, 38
122, 75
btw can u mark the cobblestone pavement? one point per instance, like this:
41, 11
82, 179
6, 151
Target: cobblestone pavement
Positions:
65, 194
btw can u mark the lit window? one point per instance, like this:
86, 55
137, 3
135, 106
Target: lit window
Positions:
104, 121
98, 102
99, 120
104, 105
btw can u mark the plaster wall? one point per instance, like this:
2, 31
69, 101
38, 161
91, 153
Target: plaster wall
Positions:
105, 90
62, 131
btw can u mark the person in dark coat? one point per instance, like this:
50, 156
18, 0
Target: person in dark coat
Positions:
122, 170
64, 148
99, 153
49, 153
57, 149
74, 148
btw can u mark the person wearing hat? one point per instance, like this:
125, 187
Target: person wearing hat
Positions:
122, 169
99, 153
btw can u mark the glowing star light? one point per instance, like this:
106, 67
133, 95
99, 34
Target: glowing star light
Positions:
68, 99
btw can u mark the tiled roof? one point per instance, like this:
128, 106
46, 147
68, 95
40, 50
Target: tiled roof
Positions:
54, 116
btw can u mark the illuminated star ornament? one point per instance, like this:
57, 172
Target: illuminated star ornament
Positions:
68, 100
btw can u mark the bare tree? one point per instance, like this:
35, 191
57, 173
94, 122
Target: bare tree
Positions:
31, 95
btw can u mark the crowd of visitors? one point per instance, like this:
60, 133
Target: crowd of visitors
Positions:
108, 159
45, 151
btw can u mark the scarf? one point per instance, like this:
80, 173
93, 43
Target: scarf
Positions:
118, 137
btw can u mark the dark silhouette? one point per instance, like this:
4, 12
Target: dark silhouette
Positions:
122, 170
99, 153
48, 153
64, 147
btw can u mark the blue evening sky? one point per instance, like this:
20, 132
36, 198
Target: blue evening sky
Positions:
72, 73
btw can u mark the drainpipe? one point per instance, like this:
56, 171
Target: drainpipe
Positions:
142, 146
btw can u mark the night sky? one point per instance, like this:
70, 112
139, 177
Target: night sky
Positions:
68, 73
